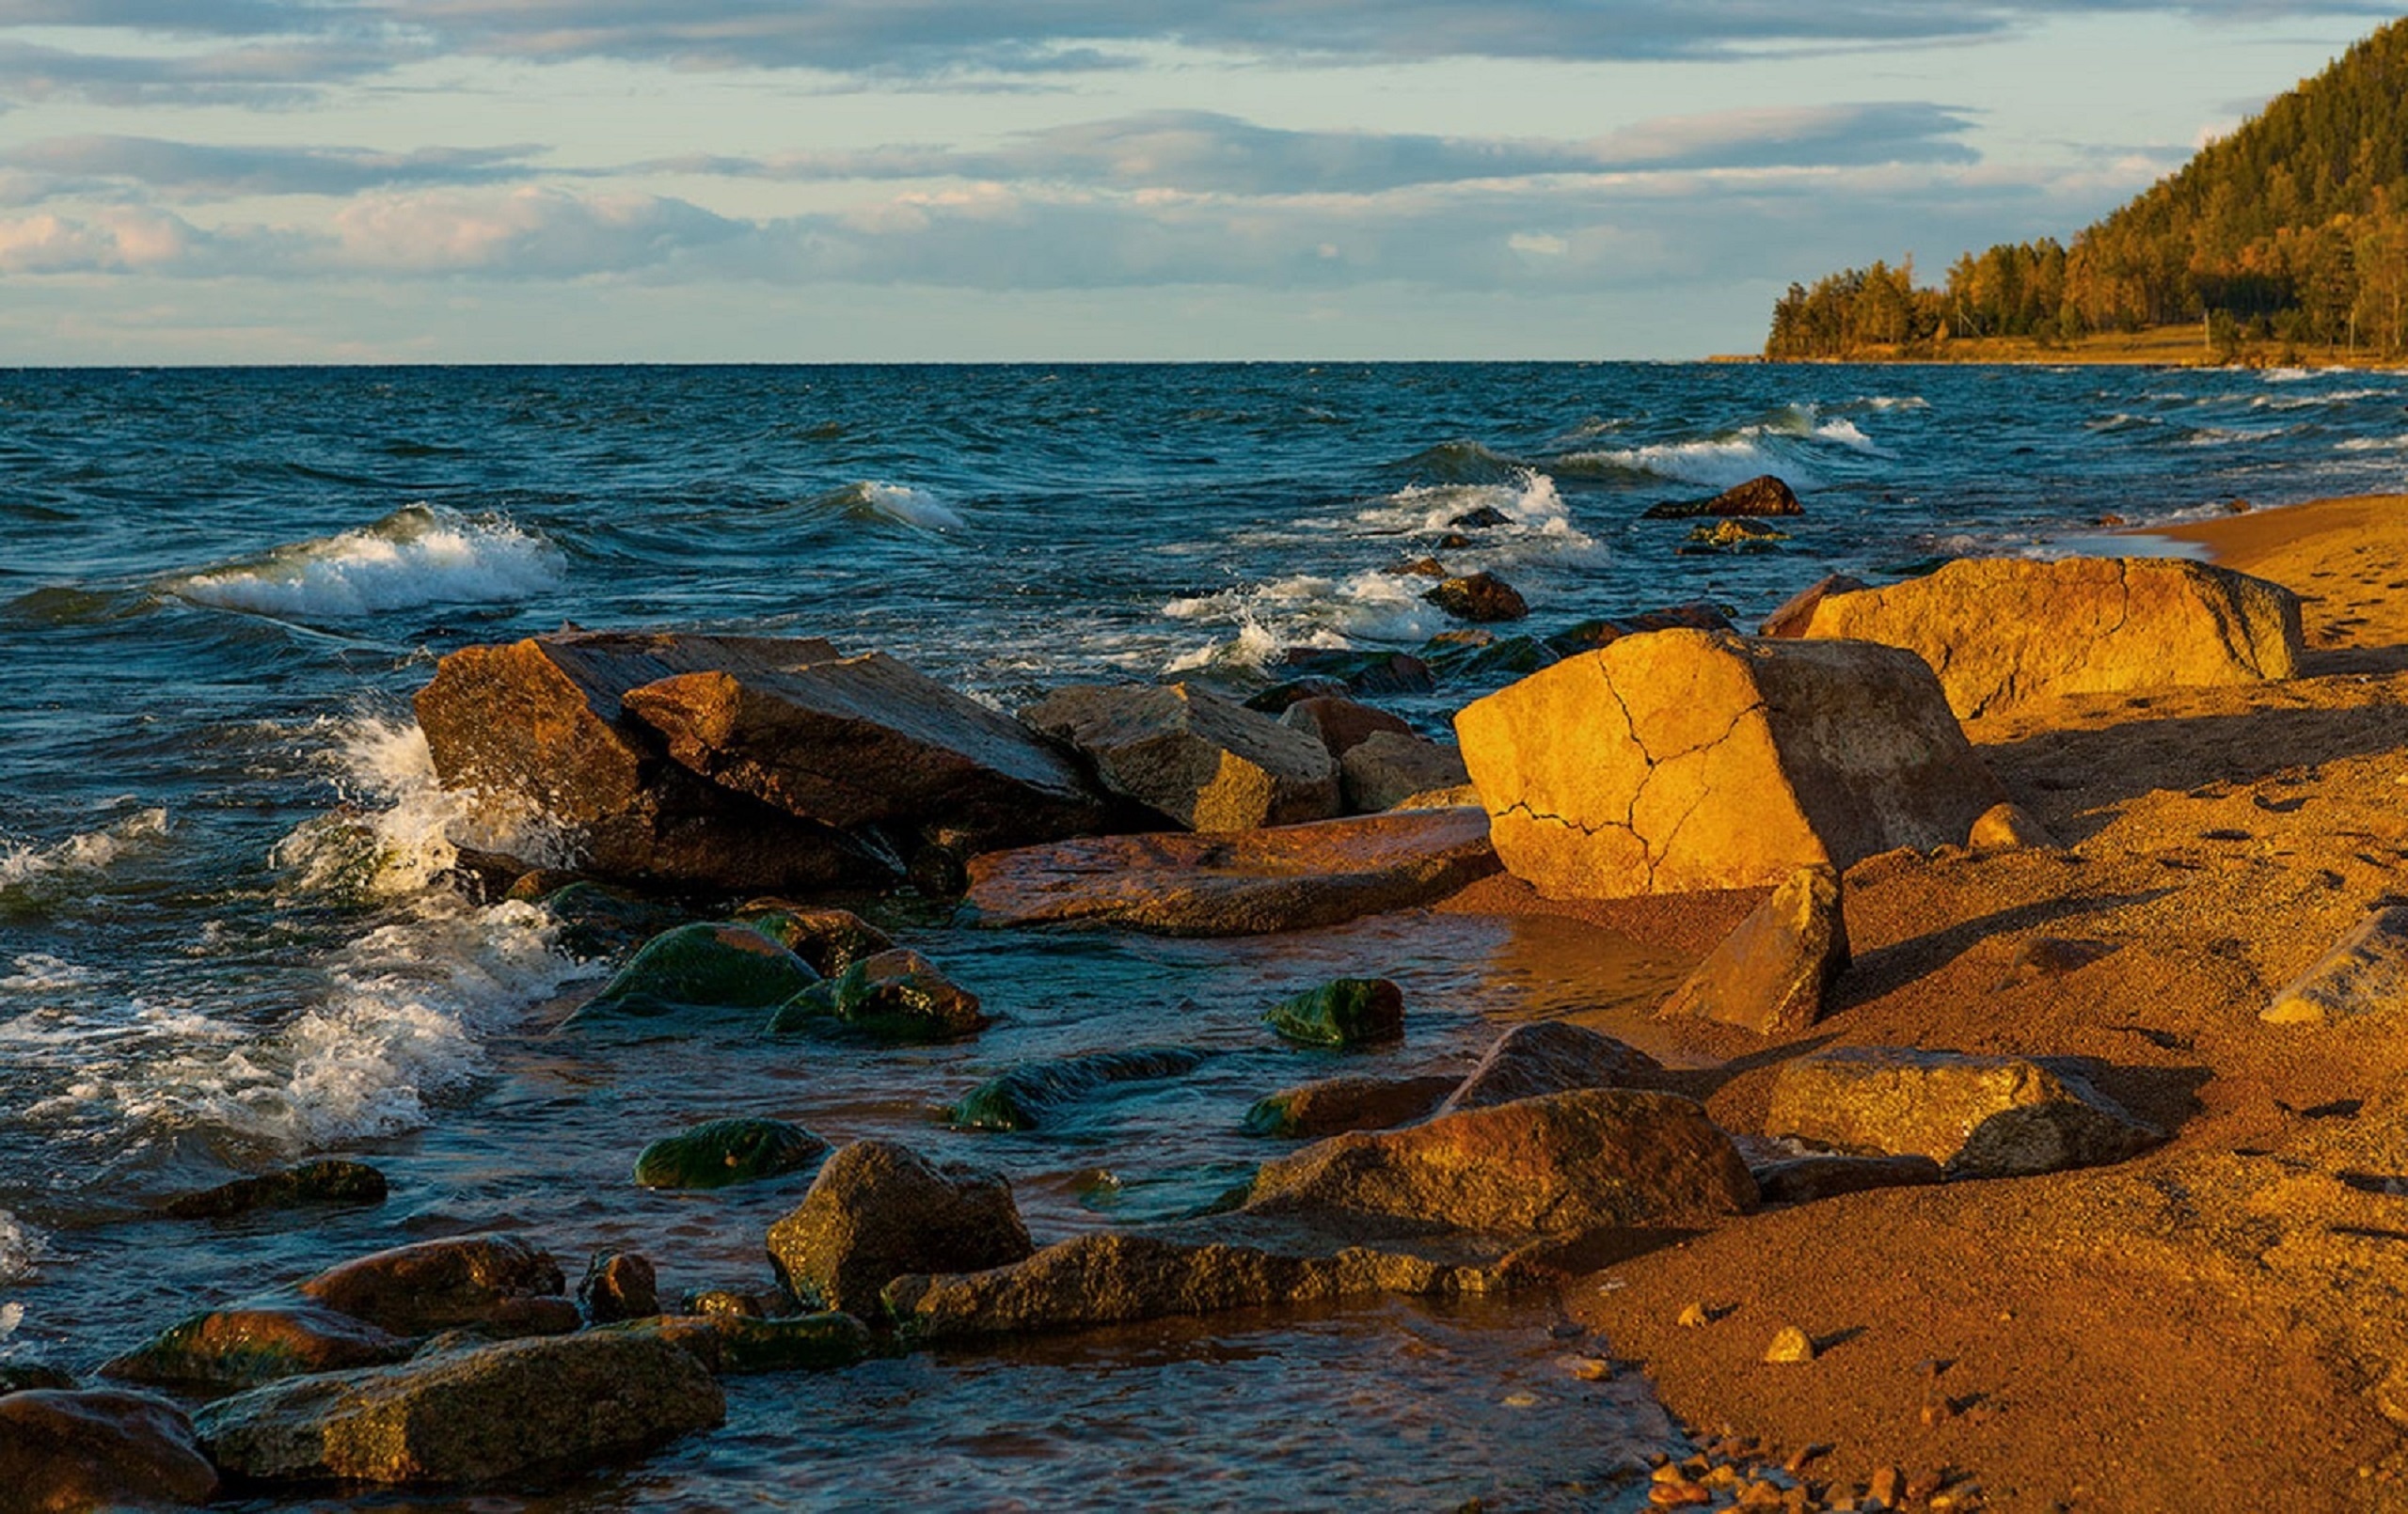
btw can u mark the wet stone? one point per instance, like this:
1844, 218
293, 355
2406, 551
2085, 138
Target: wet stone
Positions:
1336, 1105
895, 996
327, 1181
618, 1284
1031, 1096
715, 965
226, 1349
720, 1153
828, 938
1349, 1012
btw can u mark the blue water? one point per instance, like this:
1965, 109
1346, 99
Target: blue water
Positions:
224, 941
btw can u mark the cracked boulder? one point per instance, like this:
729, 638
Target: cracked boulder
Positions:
1769, 974
2005, 631
1685, 760
1205, 762
1976, 1115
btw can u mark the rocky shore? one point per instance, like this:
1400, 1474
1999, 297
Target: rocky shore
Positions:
2030, 1131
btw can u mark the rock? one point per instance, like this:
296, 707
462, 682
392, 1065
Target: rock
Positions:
469, 1416
719, 1153
101, 1448
1770, 973
1484, 517
1117, 1277
1416, 568
1687, 760
1341, 725
895, 996
1028, 1097
1362, 672
1734, 535
230, 1349
850, 742
597, 921
618, 1284
1511, 656
2008, 631
703, 966
438, 1285
1689, 615
878, 1210
1790, 1346
1804, 1179
1589, 1159
536, 740
2366, 972
1385, 769
774, 1302
1282, 697
17, 1377
2007, 827
1203, 760
798, 1343
1295, 877
1790, 619
1976, 1115
1335, 1105
1482, 597
1349, 1012
325, 1181
830, 940
1547, 1057
1761, 495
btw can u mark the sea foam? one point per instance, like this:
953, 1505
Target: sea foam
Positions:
420, 555
86, 852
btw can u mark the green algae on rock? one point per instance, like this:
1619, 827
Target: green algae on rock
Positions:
712, 965
1348, 1012
895, 996
1028, 1096
720, 1153
226, 1349
830, 940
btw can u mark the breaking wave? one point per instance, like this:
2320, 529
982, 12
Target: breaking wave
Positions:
419, 555
893, 503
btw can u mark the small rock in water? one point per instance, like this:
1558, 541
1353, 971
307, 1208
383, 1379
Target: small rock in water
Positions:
1335, 1105
1790, 1345
828, 938
436, 1284
1479, 596
895, 996
1483, 519
715, 965
1727, 534
327, 1181
618, 1284
231, 1349
878, 1210
1026, 1097
719, 1153
1349, 1012
1763, 495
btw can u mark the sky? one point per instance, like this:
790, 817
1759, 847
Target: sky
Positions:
868, 180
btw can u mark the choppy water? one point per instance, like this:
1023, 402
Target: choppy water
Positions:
221, 944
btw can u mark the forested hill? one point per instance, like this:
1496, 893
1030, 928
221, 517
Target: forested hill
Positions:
2293, 229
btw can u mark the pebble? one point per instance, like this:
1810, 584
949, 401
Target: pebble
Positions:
1886, 1484
1692, 1316
1790, 1344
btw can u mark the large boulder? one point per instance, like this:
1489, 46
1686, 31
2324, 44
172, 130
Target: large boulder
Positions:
1547, 1057
848, 742
469, 1416
1769, 974
2005, 631
1203, 760
1565, 1163
879, 1209
99, 1448
1292, 878
536, 740
1681, 760
440, 1284
1976, 1115
225, 1349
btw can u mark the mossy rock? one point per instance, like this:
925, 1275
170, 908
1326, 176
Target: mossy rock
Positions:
828, 938
720, 1153
329, 1181
598, 922
1029, 1096
895, 996
227, 1349
817, 1342
1510, 656
714, 964
1349, 1012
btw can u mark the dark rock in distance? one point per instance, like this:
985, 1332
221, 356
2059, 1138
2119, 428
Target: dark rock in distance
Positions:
720, 1153
1370, 673
1348, 1012
1485, 518
327, 1180
1804, 1179
1481, 596
878, 1210
1028, 1097
1763, 495
1385, 769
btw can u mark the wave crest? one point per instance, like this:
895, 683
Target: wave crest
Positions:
419, 555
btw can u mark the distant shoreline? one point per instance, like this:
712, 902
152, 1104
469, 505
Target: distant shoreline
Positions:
2175, 346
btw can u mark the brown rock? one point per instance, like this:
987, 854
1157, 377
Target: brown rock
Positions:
325, 1181
1480, 597
1586, 1161
1547, 1057
878, 1210
1295, 878
1763, 495
1791, 618
618, 1284
469, 1416
828, 938
1977, 1116
1335, 1105
536, 738
2005, 631
100, 1448
848, 742
1770, 973
1206, 762
1680, 760
2366, 972
1341, 724
1418, 568
2007, 827
1804, 1179
436, 1284
1385, 769
229, 1348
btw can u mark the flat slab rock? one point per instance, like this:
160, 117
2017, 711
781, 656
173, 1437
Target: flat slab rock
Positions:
1244, 883
1681, 760
1200, 760
2003, 631
1976, 1115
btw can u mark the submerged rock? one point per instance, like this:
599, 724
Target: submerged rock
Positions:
1333, 1106
1763, 495
1733, 535
1370, 673
1202, 761
793, 1342
1480, 597
720, 1153
828, 938
1687, 760
878, 1210
1349, 1012
1547, 1057
1976, 1115
895, 996
1770, 973
438, 1284
507, 1410
325, 1181
597, 921
1028, 1097
99, 1448
2366, 972
2005, 631
225, 1349
1295, 878
706, 966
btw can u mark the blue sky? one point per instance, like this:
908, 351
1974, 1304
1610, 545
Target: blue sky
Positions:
350, 180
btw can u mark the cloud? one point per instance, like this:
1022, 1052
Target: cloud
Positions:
199, 170
258, 75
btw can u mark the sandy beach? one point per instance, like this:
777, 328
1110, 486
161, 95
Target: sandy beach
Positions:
2220, 1324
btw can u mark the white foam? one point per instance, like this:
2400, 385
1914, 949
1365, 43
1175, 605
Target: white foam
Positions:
1530, 504
899, 503
40, 972
422, 555
2374, 444
21, 1247
1713, 462
86, 852
1846, 432
1901, 401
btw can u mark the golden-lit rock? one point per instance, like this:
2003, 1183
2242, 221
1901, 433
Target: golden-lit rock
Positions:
2006, 828
1770, 973
1976, 1115
438, 1284
1206, 762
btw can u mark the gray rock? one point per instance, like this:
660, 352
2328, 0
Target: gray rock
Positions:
1205, 762
1385, 769
1976, 1115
